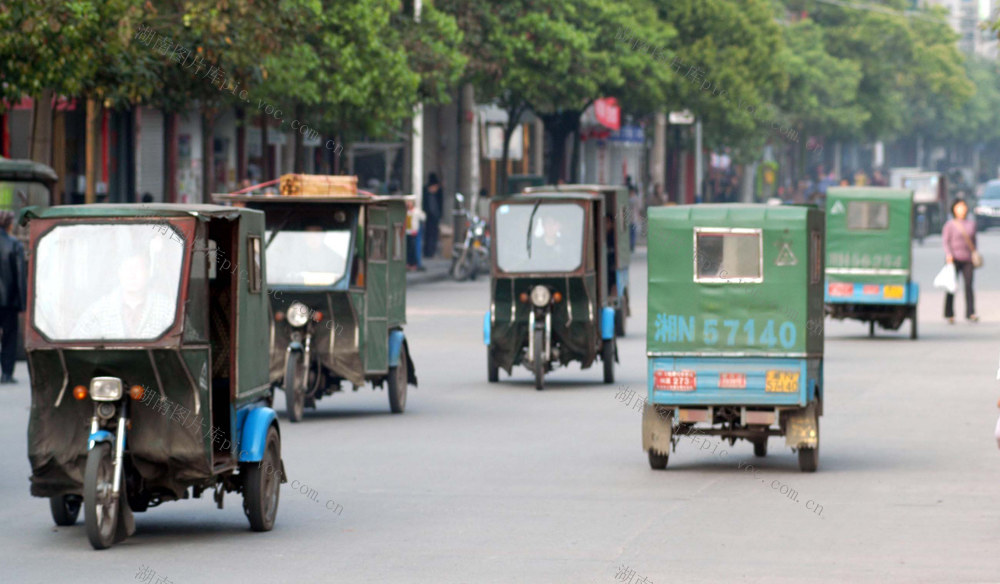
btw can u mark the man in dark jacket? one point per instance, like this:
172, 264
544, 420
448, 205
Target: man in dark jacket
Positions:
12, 295
433, 203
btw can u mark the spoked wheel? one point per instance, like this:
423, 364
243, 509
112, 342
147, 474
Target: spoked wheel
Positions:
760, 447
537, 361
100, 505
65, 509
492, 369
913, 323
295, 386
657, 461
809, 457
261, 483
460, 269
398, 378
608, 356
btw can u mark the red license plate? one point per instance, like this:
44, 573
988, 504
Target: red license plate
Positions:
871, 290
733, 380
841, 289
674, 380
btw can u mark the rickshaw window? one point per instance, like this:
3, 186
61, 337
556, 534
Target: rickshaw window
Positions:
728, 255
398, 241
377, 243
867, 215
255, 277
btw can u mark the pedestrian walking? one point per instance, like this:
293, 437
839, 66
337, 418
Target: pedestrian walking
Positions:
12, 294
433, 203
414, 237
959, 239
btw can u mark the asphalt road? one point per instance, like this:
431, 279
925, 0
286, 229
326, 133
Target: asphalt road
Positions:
481, 482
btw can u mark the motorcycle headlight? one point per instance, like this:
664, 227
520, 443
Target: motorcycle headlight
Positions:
105, 388
478, 231
297, 314
540, 296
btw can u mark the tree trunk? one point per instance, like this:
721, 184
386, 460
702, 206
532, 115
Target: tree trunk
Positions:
207, 155
267, 170
241, 146
560, 126
41, 129
298, 154
92, 152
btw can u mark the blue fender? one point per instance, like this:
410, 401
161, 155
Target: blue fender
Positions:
486, 329
100, 436
253, 433
296, 347
607, 323
396, 339
914, 292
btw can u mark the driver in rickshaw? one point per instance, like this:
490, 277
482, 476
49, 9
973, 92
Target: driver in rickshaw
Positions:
548, 238
133, 310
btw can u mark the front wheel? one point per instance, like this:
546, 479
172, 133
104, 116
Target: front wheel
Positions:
536, 359
65, 509
261, 483
608, 356
100, 504
460, 269
492, 370
295, 386
397, 381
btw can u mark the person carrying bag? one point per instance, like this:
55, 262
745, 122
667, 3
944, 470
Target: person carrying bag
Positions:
959, 240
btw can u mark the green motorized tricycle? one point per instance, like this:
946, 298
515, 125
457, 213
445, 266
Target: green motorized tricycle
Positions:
549, 301
735, 335
337, 287
868, 255
147, 349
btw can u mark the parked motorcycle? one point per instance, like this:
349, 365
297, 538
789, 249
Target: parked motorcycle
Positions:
472, 254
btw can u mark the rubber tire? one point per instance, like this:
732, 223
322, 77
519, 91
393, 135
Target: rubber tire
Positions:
100, 465
536, 360
871, 328
809, 457
492, 369
259, 486
608, 356
65, 509
913, 323
760, 448
295, 397
460, 269
397, 381
657, 461
620, 322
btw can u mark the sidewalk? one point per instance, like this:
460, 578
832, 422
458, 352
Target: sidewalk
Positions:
437, 270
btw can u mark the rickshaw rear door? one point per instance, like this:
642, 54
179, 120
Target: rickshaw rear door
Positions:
376, 350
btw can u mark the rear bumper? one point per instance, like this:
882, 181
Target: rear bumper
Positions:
733, 381
857, 293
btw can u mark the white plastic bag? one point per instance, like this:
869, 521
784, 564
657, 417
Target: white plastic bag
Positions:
946, 279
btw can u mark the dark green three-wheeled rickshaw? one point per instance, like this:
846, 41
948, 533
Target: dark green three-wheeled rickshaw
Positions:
147, 349
868, 252
549, 301
337, 282
616, 224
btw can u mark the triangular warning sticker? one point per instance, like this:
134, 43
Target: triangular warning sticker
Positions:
785, 256
837, 208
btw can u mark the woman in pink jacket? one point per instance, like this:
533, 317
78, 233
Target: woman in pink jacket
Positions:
956, 236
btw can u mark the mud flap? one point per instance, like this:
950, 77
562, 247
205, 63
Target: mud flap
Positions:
125, 527
801, 428
657, 429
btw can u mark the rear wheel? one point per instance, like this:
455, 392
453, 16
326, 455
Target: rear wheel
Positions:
809, 457
261, 483
871, 328
537, 361
608, 356
913, 323
493, 371
398, 379
100, 505
65, 509
620, 322
460, 269
760, 447
295, 386
657, 461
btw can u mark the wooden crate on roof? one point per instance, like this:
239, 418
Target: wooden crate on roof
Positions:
319, 185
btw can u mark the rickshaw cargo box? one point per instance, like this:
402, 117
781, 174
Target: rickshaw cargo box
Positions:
735, 280
318, 185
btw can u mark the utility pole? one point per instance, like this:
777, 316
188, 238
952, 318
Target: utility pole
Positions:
416, 135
